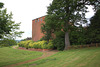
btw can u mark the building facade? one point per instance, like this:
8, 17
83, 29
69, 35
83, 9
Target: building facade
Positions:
36, 28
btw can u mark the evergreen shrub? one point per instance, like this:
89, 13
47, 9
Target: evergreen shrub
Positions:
59, 41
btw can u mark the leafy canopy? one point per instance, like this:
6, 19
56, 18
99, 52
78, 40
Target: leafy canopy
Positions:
65, 14
8, 27
93, 31
1, 5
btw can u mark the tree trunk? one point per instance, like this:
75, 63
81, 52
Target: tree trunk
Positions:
67, 42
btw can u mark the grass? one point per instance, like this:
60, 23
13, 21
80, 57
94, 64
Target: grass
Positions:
87, 57
9, 55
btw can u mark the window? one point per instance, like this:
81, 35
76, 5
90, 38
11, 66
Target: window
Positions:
38, 20
41, 19
35, 20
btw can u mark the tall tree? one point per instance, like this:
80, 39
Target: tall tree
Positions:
8, 28
93, 31
63, 14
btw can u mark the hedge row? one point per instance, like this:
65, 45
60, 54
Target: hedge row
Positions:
37, 45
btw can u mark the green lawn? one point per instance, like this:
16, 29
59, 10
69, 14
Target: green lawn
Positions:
11, 56
71, 58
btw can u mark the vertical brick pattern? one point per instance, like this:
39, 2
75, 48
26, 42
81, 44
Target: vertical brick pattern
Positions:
36, 28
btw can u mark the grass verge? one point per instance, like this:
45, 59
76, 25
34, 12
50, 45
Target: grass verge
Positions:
71, 58
9, 55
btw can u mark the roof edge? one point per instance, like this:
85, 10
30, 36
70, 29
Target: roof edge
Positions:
39, 17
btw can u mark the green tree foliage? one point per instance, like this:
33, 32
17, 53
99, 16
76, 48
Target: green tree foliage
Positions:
63, 14
1, 5
59, 41
8, 27
77, 36
93, 31
7, 42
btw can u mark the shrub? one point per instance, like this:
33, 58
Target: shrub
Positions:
31, 44
43, 44
59, 41
37, 45
21, 43
25, 43
50, 45
7, 42
40, 44
59, 44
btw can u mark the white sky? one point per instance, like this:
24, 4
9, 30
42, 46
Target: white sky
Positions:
26, 10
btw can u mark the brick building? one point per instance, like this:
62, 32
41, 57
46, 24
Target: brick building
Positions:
36, 28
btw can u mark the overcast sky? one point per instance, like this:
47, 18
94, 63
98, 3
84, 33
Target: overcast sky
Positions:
26, 10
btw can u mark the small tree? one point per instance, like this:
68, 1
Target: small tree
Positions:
8, 28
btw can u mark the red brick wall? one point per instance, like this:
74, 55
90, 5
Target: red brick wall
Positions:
36, 28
